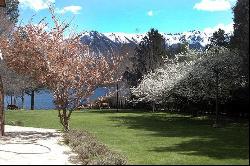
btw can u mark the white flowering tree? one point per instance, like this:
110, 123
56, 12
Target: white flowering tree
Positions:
209, 77
217, 68
160, 84
213, 78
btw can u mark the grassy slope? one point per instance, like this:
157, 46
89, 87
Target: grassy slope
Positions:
154, 138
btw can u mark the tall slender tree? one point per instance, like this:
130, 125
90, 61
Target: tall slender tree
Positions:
240, 38
8, 17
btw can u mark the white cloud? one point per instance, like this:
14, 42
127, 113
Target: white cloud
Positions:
72, 9
214, 5
36, 4
227, 28
150, 13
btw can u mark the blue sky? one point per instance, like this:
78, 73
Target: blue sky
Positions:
135, 16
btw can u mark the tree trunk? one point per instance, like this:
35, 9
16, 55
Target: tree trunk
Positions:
32, 98
64, 119
216, 102
22, 98
117, 98
153, 106
1, 108
11, 99
14, 99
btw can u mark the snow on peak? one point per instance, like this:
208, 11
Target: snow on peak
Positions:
122, 37
191, 37
196, 39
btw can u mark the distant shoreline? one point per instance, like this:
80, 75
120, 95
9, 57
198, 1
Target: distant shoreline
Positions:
44, 99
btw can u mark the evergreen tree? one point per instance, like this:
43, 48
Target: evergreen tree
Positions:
149, 55
219, 38
240, 39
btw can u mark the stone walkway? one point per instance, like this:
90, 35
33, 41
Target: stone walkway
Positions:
33, 146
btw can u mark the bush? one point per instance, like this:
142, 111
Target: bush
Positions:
91, 152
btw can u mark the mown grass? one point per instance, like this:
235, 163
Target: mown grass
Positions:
154, 138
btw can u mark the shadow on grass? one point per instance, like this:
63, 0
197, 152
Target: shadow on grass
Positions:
103, 111
215, 148
230, 141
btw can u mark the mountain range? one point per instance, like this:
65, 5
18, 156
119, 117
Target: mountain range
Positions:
105, 43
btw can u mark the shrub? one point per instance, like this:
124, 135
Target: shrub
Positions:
90, 151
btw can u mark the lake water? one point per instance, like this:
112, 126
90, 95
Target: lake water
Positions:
44, 99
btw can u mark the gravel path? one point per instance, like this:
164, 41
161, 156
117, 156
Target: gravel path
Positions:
33, 146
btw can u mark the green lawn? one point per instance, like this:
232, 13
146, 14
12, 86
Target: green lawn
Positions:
154, 138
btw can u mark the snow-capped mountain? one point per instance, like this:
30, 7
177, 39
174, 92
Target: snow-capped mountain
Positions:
123, 38
195, 39
106, 43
